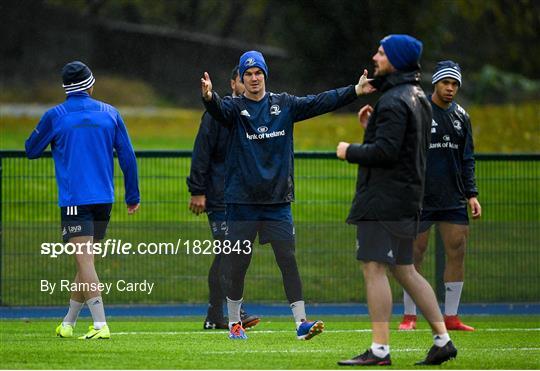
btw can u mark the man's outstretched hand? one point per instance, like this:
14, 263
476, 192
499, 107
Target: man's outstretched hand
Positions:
364, 86
206, 87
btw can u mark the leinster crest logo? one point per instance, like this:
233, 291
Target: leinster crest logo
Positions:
275, 110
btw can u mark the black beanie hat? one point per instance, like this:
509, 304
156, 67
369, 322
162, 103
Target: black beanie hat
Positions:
76, 76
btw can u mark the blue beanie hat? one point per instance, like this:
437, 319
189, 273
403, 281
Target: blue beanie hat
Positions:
250, 59
446, 69
403, 51
76, 76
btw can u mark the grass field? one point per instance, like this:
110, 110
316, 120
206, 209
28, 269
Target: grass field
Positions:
509, 342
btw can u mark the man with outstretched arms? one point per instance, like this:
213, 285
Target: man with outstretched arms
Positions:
206, 182
83, 132
259, 182
450, 187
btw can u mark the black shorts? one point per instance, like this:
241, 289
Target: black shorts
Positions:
272, 222
453, 216
85, 220
376, 243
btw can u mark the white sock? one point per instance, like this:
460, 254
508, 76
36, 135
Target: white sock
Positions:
298, 311
408, 304
98, 312
452, 297
99, 325
73, 313
380, 350
441, 340
233, 310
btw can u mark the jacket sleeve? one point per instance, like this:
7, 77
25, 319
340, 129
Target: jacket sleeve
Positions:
220, 109
40, 138
314, 105
390, 126
467, 172
203, 148
128, 162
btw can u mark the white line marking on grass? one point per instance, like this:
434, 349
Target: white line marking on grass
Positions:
168, 333
505, 349
197, 332
222, 332
201, 332
271, 351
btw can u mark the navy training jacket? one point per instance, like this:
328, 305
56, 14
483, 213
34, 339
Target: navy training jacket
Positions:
450, 179
260, 155
207, 174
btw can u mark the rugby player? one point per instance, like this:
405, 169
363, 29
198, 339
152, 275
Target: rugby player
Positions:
259, 180
206, 182
82, 133
450, 187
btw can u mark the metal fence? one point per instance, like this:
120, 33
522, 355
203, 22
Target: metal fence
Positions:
502, 262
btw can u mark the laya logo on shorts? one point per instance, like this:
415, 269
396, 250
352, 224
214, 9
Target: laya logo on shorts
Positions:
262, 129
64, 231
249, 62
275, 110
74, 228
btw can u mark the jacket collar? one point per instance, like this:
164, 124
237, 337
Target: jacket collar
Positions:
383, 83
78, 94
